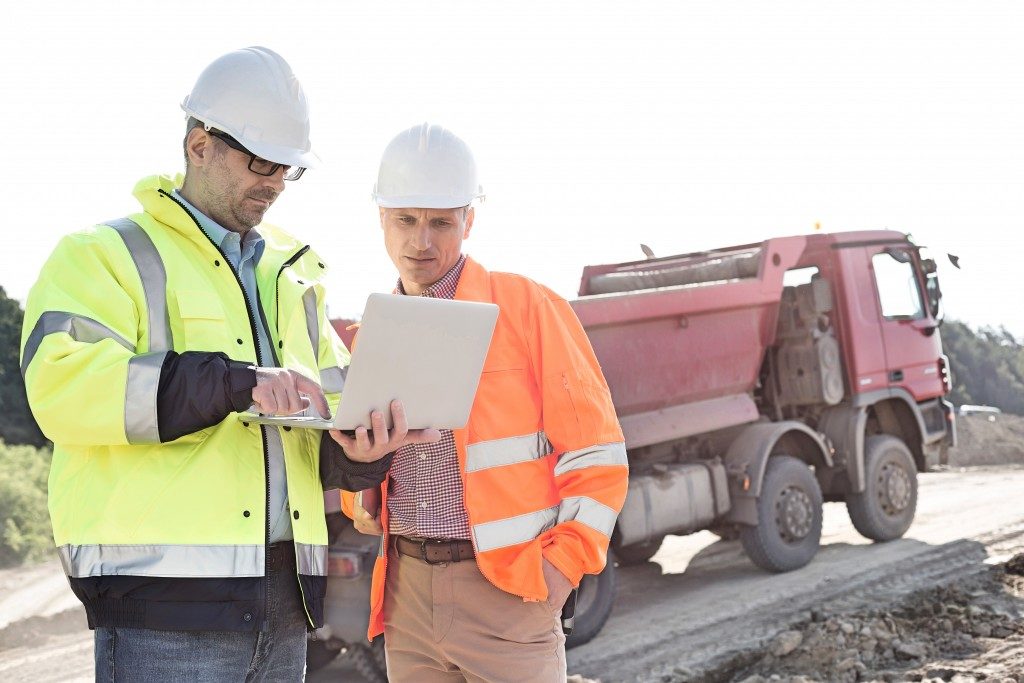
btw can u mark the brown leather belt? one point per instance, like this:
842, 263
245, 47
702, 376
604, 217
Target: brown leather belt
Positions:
434, 551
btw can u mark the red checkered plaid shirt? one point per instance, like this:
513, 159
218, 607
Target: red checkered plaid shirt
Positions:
425, 489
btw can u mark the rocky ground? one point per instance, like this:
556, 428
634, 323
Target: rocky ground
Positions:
968, 631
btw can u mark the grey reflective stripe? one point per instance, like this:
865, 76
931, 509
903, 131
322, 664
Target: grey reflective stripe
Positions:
383, 544
312, 322
140, 420
508, 451
80, 328
604, 454
191, 561
513, 530
332, 380
154, 280
311, 560
588, 511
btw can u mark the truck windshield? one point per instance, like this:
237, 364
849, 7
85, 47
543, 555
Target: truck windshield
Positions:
898, 290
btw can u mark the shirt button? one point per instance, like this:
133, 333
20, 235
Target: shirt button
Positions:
423, 504
423, 456
247, 617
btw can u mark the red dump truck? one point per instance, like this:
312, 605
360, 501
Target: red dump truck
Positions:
755, 382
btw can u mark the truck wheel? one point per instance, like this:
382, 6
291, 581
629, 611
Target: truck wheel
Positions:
788, 517
593, 604
885, 509
318, 655
638, 553
377, 649
368, 660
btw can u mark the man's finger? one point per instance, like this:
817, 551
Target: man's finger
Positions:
363, 440
401, 426
380, 432
315, 394
346, 442
280, 398
294, 401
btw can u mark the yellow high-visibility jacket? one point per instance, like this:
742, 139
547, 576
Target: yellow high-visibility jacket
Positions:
172, 535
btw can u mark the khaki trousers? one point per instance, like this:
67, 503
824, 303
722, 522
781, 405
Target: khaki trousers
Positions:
446, 622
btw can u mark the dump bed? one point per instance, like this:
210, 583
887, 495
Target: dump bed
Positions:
681, 339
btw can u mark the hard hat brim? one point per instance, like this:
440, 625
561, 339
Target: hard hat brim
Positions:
424, 201
284, 155
279, 154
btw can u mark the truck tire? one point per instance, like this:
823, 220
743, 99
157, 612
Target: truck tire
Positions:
789, 517
318, 655
377, 649
885, 509
638, 553
593, 604
368, 660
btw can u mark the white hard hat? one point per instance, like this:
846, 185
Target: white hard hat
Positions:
253, 96
427, 167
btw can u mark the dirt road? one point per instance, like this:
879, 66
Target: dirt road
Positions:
700, 605
699, 601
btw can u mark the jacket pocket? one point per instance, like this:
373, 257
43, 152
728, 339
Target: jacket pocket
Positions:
203, 321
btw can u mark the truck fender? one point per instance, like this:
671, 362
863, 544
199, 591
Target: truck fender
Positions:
845, 424
747, 458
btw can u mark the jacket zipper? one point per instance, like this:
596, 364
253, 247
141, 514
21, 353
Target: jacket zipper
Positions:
263, 432
277, 291
476, 553
277, 299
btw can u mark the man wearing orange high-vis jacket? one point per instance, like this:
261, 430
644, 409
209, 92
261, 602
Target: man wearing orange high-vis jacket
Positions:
486, 532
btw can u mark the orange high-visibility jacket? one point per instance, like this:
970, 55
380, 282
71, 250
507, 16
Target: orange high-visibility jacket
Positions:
542, 459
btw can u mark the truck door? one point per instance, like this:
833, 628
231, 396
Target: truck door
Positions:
912, 347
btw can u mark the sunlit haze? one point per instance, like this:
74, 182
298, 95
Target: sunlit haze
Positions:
597, 126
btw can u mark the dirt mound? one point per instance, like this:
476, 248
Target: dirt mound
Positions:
969, 631
988, 440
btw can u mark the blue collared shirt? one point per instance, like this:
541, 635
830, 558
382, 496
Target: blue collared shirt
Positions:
243, 253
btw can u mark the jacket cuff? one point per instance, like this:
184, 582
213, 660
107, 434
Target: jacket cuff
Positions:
563, 563
241, 380
337, 471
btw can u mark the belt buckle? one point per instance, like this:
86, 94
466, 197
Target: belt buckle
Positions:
423, 552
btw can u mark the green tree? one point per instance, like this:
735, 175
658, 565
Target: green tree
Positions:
16, 422
25, 534
987, 365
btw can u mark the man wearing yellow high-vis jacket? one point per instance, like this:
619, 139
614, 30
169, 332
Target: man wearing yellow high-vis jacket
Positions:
195, 540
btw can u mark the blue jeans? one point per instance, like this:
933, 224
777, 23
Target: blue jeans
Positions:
278, 653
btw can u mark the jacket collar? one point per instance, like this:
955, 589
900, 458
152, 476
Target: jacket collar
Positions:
474, 283
155, 193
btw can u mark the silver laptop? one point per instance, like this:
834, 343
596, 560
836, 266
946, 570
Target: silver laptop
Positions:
426, 352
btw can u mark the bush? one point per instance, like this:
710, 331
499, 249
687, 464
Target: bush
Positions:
16, 422
25, 534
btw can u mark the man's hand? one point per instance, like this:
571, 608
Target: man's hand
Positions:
370, 448
558, 586
366, 512
284, 392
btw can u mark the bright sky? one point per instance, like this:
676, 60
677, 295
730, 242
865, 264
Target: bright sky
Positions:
597, 126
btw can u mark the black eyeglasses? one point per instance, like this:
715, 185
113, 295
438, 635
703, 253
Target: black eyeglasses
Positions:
259, 165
